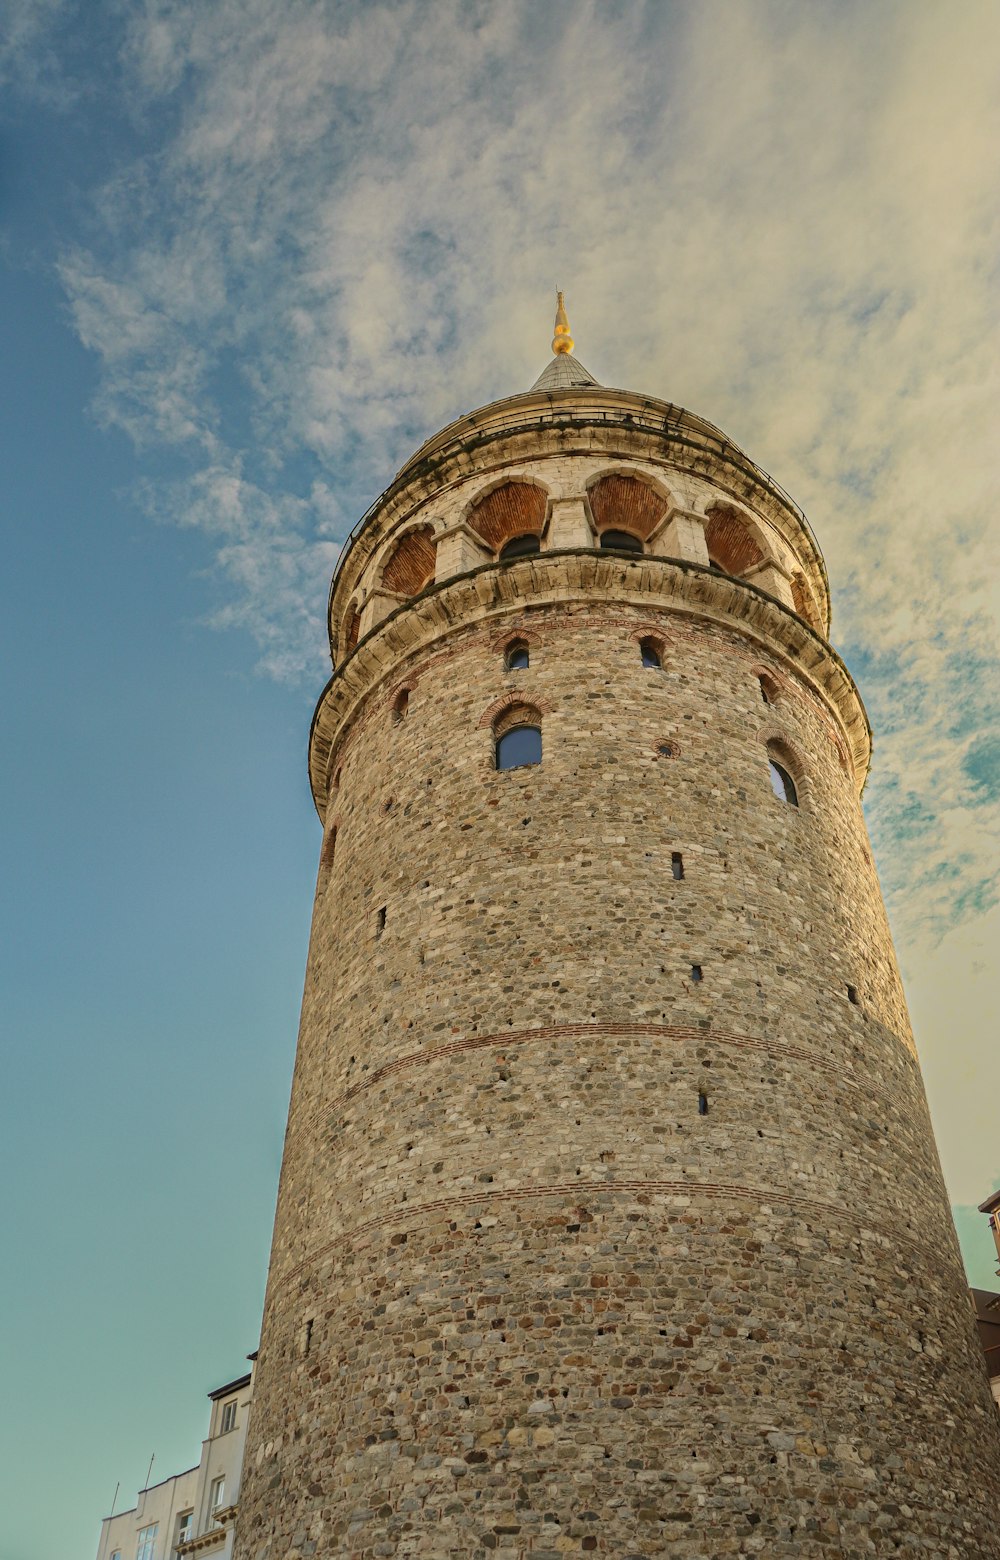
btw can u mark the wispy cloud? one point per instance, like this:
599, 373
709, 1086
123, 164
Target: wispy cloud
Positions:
782, 216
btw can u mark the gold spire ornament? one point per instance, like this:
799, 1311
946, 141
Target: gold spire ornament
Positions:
562, 341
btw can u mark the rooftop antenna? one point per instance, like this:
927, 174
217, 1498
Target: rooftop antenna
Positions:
115, 1500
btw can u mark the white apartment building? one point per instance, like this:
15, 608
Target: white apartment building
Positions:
194, 1512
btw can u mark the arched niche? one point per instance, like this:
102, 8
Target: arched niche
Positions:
410, 565
511, 510
623, 503
732, 545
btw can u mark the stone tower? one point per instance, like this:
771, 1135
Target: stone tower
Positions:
610, 1216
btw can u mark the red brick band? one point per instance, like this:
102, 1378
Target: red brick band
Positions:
649, 1031
829, 1212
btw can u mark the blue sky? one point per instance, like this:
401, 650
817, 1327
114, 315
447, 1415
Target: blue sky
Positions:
252, 255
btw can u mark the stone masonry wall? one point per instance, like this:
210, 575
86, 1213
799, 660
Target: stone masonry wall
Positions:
525, 1298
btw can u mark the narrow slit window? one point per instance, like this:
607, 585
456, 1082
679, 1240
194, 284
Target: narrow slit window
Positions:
852, 995
703, 1104
677, 865
696, 973
401, 705
649, 654
380, 921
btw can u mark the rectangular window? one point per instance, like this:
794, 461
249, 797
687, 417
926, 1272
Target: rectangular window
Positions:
185, 1527
229, 1416
218, 1494
147, 1542
677, 865
696, 972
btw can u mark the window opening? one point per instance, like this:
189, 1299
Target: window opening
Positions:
516, 658
677, 865
228, 1416
184, 1528
703, 1104
852, 995
380, 921
520, 547
147, 1542
696, 973
649, 653
666, 750
520, 746
307, 1333
218, 1494
621, 541
768, 688
401, 705
783, 785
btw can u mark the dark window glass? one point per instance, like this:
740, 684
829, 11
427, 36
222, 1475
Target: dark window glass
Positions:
621, 541
783, 785
696, 972
649, 653
677, 865
516, 659
521, 745
763, 692
519, 547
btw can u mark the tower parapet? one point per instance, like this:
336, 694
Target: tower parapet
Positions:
597, 1228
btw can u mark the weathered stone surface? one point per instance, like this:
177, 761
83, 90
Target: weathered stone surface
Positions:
556, 1307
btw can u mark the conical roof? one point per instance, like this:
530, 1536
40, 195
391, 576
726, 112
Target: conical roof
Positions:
563, 373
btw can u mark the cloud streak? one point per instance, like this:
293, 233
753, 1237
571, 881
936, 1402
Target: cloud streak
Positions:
782, 217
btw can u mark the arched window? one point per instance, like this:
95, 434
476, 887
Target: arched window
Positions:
519, 547
401, 705
649, 651
516, 656
519, 746
768, 688
621, 541
782, 784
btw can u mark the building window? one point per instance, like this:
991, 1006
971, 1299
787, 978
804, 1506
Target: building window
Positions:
147, 1542
520, 746
217, 1496
229, 1415
185, 1527
516, 656
768, 688
649, 651
782, 784
621, 541
519, 547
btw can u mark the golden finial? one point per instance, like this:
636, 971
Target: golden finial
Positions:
562, 341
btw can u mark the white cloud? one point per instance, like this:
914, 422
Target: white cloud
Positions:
784, 217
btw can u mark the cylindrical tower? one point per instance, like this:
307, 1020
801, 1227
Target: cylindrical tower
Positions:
610, 1216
